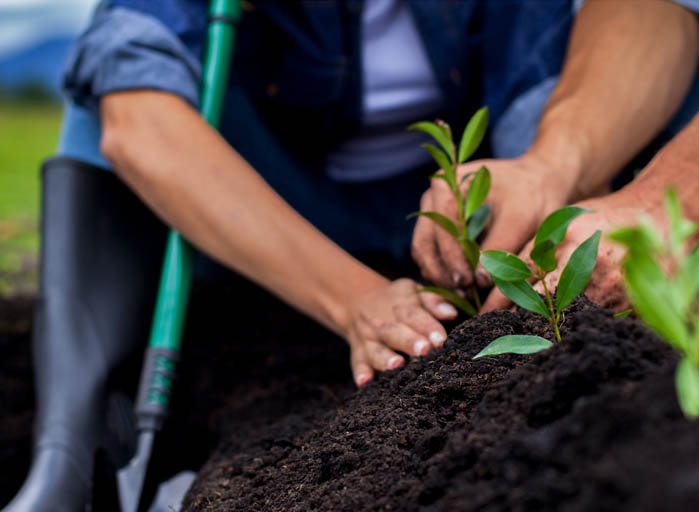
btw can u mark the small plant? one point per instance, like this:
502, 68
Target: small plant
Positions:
662, 283
513, 277
472, 213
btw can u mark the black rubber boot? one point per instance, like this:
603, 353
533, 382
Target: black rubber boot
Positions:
100, 261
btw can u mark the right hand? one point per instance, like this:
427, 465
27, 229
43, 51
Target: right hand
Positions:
395, 319
523, 192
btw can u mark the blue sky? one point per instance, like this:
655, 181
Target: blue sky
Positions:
26, 22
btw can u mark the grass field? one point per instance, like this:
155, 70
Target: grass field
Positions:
28, 134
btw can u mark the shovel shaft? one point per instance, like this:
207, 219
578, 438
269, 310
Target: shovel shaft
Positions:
158, 371
171, 307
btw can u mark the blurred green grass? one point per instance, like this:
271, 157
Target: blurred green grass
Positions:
28, 134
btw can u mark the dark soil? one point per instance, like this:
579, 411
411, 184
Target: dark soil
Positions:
16, 394
243, 351
591, 424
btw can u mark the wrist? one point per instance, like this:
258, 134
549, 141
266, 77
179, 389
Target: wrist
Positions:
340, 299
558, 176
562, 151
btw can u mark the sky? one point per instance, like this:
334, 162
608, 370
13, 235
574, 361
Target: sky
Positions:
26, 22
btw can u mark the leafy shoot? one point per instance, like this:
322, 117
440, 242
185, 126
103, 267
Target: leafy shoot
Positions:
662, 283
514, 278
472, 212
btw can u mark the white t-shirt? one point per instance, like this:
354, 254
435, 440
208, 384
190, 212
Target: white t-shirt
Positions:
399, 87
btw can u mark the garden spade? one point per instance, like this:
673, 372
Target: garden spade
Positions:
165, 339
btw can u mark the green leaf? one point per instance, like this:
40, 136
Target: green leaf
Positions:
473, 134
577, 272
452, 297
446, 130
556, 224
443, 221
523, 294
687, 384
505, 266
647, 288
477, 191
680, 228
515, 344
436, 133
471, 251
623, 314
477, 222
544, 255
444, 164
466, 176
642, 238
688, 277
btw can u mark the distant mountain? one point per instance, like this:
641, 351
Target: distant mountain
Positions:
37, 65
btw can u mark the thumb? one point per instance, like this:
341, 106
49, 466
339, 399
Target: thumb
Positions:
495, 300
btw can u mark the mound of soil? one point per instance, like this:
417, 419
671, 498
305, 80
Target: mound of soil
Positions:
243, 351
591, 424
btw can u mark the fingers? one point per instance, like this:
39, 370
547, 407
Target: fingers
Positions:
437, 307
453, 261
399, 336
421, 322
495, 300
369, 357
424, 245
381, 358
361, 370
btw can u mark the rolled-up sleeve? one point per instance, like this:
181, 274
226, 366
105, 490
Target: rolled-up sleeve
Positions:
689, 4
124, 49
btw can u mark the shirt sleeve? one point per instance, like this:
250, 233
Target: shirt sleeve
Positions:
124, 49
692, 5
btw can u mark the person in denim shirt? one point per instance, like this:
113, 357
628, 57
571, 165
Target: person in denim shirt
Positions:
297, 96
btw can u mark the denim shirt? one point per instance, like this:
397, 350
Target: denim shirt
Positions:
298, 61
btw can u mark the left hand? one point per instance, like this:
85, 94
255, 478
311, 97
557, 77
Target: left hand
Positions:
606, 285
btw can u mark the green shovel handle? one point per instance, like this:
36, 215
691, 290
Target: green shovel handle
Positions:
175, 282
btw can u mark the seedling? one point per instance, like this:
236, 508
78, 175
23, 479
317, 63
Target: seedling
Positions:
514, 279
662, 283
472, 213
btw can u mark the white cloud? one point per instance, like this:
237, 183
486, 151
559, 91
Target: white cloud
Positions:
25, 22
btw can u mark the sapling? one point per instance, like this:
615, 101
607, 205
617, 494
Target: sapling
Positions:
514, 278
662, 283
472, 212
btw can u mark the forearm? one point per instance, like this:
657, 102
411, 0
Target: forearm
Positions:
628, 67
676, 165
196, 183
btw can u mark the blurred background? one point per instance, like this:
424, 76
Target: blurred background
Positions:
35, 37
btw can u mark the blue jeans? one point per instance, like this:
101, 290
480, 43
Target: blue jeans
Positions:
364, 219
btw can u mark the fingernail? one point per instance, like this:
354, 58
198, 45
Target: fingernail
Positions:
362, 379
437, 338
421, 347
447, 310
394, 362
456, 278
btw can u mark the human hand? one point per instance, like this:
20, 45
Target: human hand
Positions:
606, 284
523, 192
397, 318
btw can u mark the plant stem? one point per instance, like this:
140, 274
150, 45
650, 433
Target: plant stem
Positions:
553, 320
476, 298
